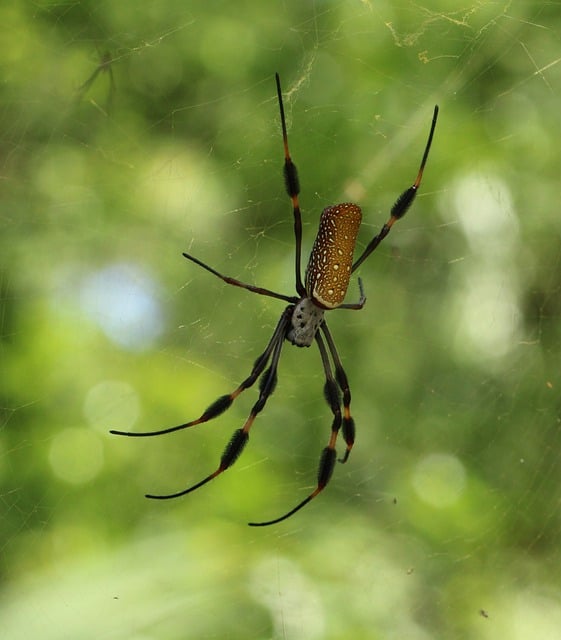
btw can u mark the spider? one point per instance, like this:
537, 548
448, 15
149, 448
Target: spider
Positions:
302, 322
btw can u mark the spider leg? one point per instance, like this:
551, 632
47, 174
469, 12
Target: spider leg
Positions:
240, 437
342, 381
356, 305
402, 204
328, 455
223, 403
292, 185
236, 283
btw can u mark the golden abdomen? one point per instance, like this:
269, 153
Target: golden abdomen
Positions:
331, 260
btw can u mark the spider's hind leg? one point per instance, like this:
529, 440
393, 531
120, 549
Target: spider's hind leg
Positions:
348, 426
267, 385
328, 455
223, 403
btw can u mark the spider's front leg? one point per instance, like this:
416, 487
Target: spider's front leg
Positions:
402, 204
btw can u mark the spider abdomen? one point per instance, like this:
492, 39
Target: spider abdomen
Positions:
330, 265
306, 318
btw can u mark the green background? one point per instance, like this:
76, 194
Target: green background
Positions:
131, 132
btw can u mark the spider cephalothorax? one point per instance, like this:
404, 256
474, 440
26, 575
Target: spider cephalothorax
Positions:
305, 320
302, 322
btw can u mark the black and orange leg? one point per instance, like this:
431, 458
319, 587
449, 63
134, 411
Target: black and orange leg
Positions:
403, 203
342, 381
329, 454
240, 437
292, 185
223, 403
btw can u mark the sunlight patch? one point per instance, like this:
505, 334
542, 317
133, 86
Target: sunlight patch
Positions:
121, 299
110, 403
76, 455
439, 479
483, 204
181, 184
489, 316
488, 291
295, 606
527, 613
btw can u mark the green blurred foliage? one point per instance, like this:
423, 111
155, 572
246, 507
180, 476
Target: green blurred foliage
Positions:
134, 131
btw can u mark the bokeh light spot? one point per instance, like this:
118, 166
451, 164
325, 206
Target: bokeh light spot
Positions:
121, 299
76, 455
111, 404
439, 479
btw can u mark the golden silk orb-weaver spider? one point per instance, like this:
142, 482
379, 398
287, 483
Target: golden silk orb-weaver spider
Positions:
302, 322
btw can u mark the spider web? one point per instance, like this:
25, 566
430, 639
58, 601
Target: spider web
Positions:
132, 133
